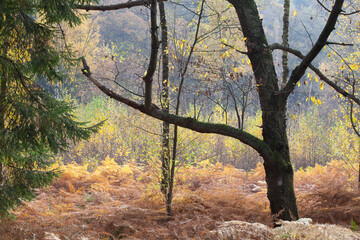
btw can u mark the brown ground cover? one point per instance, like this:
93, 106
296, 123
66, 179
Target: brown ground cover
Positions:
116, 202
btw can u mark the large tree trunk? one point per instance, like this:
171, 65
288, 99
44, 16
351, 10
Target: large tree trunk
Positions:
278, 167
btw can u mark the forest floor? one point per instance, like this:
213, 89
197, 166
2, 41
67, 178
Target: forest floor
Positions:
116, 202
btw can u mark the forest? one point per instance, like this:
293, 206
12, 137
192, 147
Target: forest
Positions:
165, 119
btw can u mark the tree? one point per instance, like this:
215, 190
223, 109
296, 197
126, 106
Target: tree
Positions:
167, 164
274, 146
33, 124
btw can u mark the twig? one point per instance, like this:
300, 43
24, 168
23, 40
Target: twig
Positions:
232, 47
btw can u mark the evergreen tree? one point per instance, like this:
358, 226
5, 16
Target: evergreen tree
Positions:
33, 124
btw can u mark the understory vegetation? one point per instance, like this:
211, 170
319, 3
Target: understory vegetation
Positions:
131, 136
123, 201
110, 188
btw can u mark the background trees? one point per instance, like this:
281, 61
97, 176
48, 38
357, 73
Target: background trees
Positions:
272, 97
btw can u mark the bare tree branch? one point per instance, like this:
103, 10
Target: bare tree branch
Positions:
323, 6
307, 32
299, 71
232, 47
352, 119
128, 4
345, 14
318, 72
341, 44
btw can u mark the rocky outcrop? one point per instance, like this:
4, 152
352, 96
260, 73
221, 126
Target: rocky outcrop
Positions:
301, 229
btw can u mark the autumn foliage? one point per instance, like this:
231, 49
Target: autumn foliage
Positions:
109, 186
115, 201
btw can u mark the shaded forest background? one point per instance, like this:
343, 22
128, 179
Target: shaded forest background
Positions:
319, 128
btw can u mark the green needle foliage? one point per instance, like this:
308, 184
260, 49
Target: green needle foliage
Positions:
33, 124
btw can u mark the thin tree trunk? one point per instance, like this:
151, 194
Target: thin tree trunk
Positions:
285, 41
177, 108
148, 78
3, 92
359, 166
166, 164
3, 88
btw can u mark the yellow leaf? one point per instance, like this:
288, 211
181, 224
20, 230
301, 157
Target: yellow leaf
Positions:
321, 86
295, 13
354, 67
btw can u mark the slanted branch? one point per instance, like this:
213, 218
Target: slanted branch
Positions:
111, 7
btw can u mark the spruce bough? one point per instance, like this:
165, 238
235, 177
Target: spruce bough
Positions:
34, 125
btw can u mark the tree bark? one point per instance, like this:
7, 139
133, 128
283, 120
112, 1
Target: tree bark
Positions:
148, 78
285, 41
3, 91
166, 163
278, 167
